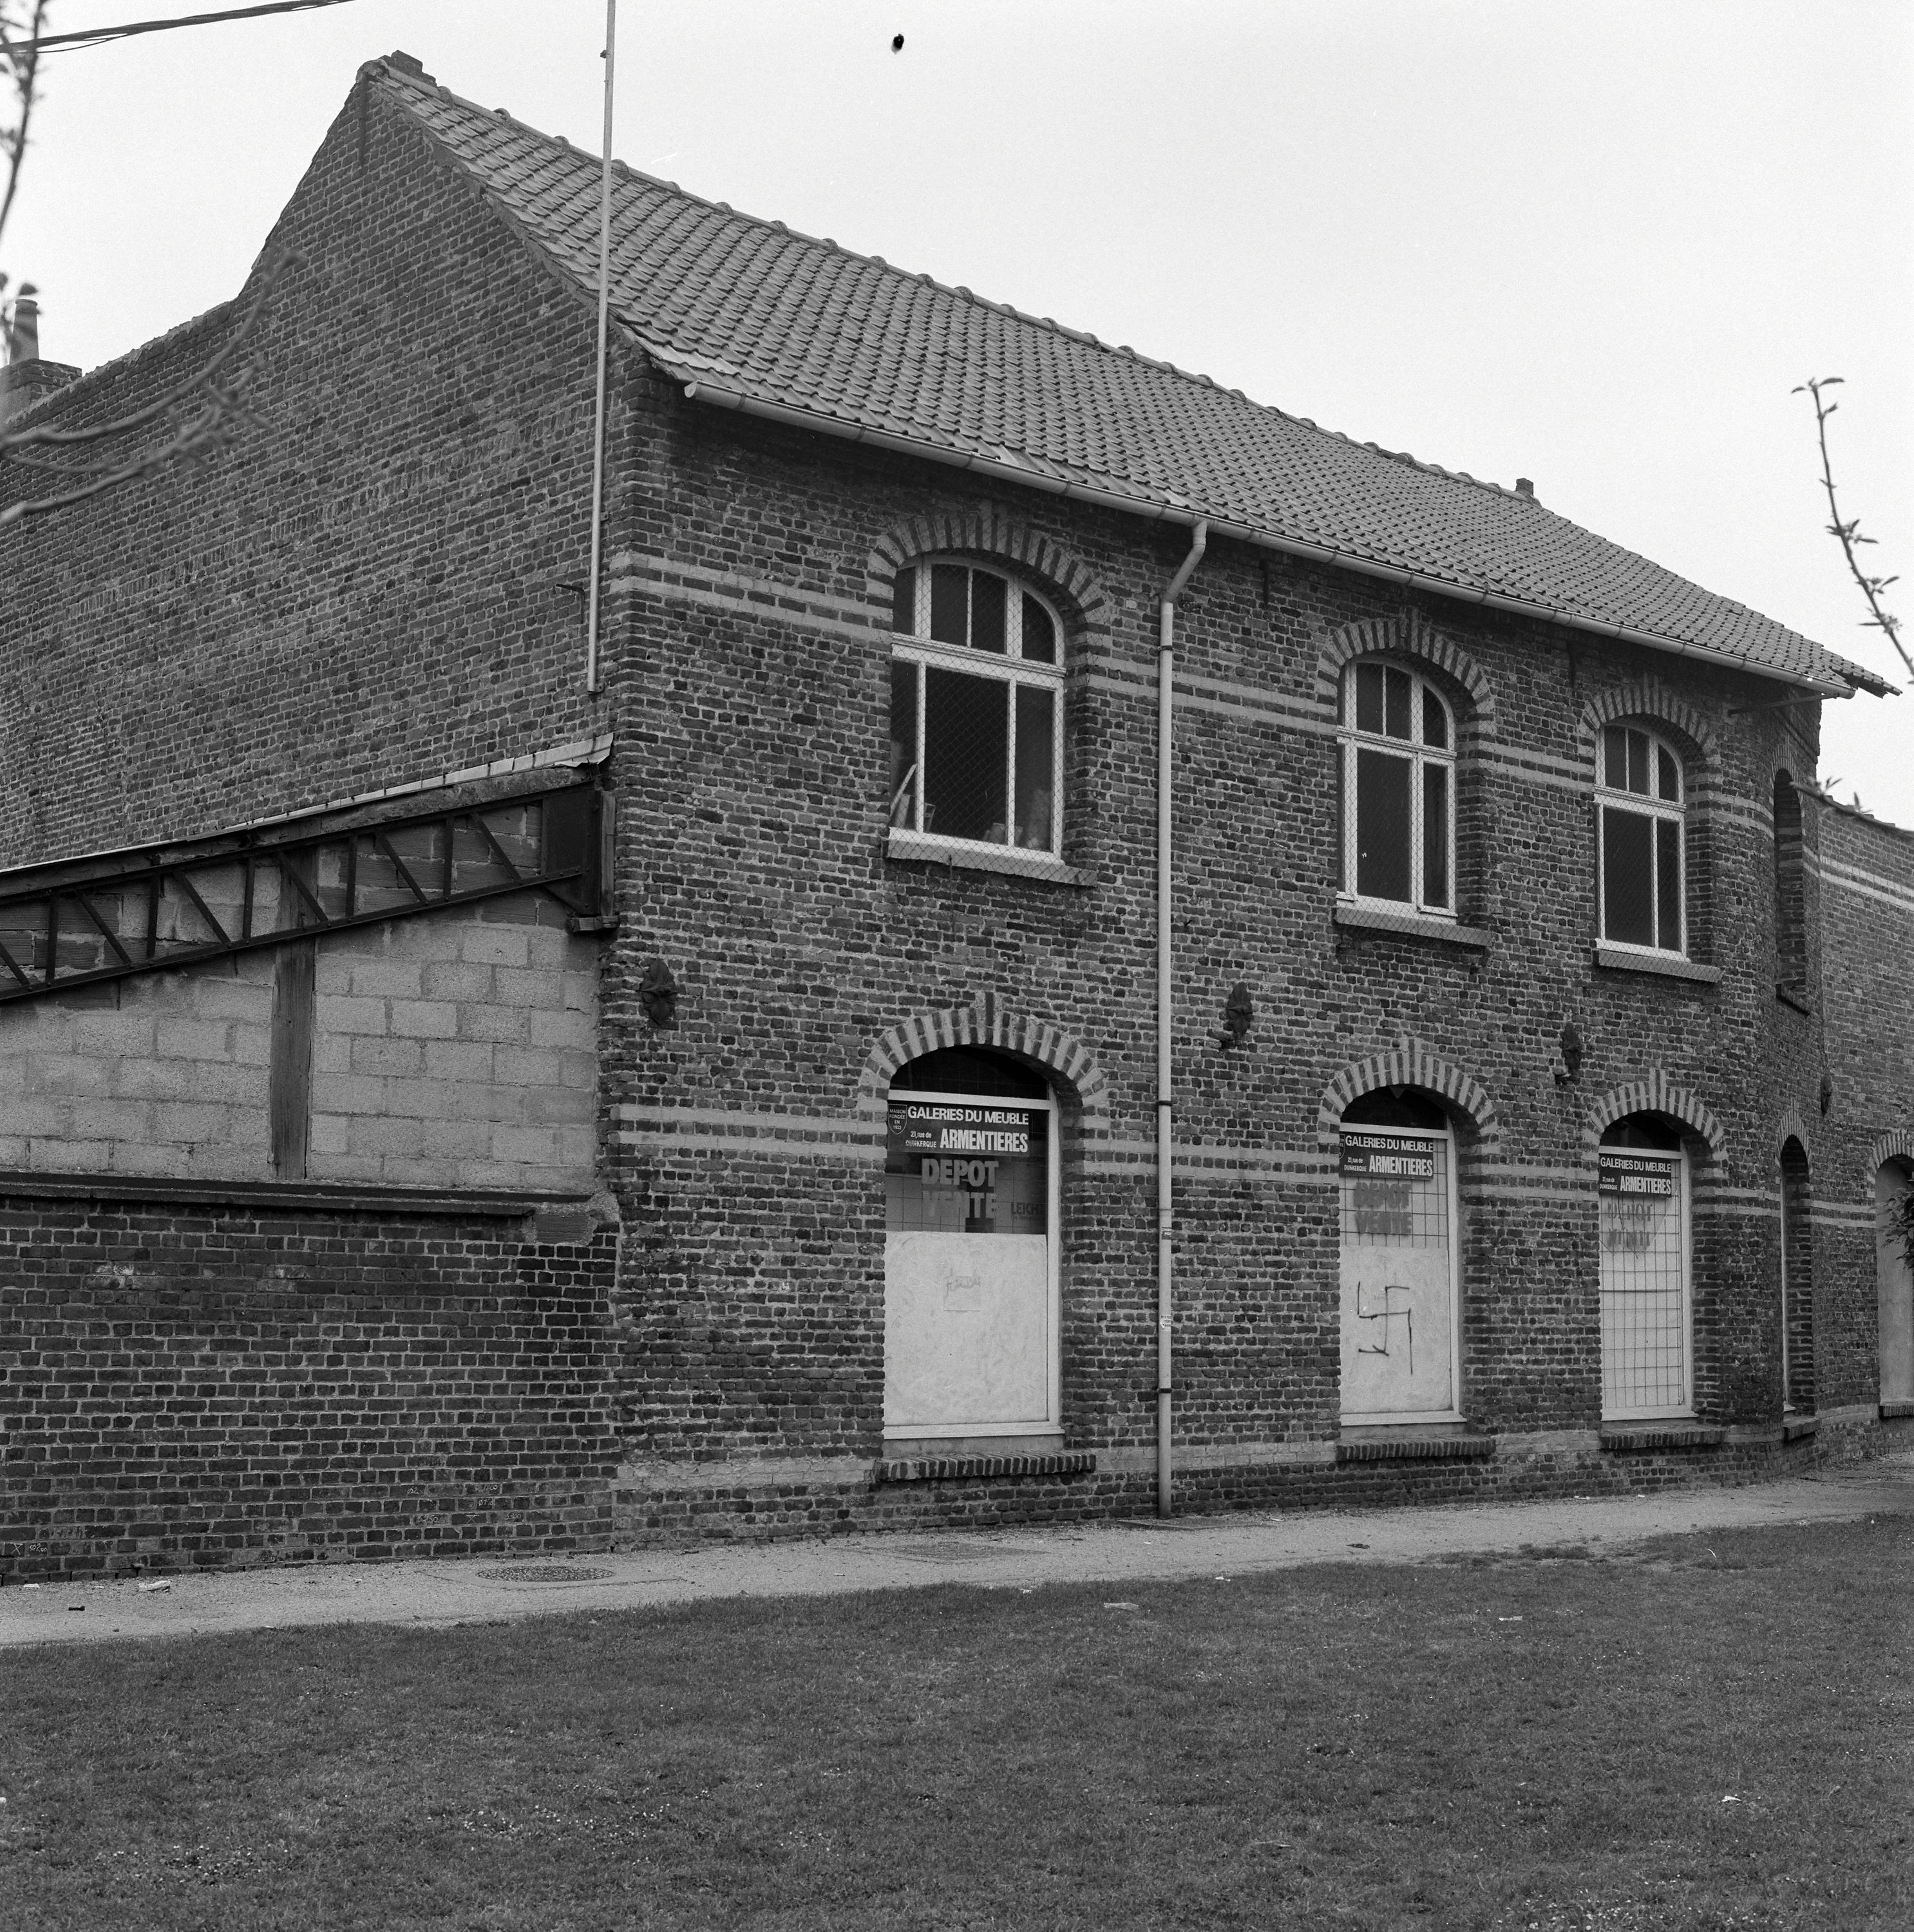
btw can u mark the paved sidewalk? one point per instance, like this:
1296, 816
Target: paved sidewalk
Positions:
498, 1589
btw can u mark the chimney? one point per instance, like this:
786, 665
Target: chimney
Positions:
23, 332
27, 378
1523, 487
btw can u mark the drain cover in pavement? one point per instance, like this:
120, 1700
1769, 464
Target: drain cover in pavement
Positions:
545, 1573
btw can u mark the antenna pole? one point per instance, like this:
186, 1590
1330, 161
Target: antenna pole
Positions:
604, 358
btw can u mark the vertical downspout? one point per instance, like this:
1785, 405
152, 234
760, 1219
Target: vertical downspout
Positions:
1166, 1224
604, 358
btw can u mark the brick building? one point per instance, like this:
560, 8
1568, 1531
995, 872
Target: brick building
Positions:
457, 1095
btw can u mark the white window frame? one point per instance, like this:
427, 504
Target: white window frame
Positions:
1650, 806
1418, 755
1684, 1409
919, 648
1052, 1423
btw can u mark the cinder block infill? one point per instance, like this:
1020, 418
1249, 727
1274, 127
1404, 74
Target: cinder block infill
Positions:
962, 1469
1670, 1435
1419, 1449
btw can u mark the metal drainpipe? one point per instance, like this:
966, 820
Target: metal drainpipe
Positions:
1166, 1225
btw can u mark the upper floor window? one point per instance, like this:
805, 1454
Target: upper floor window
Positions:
1399, 773
977, 709
1640, 855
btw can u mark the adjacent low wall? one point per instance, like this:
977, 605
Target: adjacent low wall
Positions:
202, 1386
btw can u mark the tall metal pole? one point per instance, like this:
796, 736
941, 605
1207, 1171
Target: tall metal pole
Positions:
603, 356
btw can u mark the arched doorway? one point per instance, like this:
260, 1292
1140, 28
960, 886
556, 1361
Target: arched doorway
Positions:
1401, 1332
971, 1307
1648, 1353
1892, 1184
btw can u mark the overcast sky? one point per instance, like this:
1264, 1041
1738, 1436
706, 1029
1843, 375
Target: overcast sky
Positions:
1595, 244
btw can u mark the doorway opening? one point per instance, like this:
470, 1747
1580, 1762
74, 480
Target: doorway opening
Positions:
971, 1303
1401, 1329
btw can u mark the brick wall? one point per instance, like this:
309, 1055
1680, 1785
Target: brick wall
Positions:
199, 1387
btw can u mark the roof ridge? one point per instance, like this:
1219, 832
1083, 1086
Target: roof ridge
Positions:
413, 76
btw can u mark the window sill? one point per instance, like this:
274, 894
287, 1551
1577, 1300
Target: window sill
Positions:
1013, 863
1410, 925
1671, 1432
1661, 965
1788, 997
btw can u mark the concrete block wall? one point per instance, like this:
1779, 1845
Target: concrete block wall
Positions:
165, 1076
456, 1052
449, 1050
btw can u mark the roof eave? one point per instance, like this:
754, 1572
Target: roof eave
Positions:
699, 388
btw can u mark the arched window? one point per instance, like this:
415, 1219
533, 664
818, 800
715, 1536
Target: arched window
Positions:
1401, 1335
977, 710
1641, 851
1894, 1255
1642, 1190
972, 1327
1790, 902
1797, 1281
1399, 789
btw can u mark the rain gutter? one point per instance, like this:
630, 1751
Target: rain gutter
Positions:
698, 389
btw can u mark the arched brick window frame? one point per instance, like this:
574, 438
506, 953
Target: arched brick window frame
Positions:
1647, 702
1655, 1094
987, 536
1063, 1059
1417, 645
989, 533
1411, 1063
1897, 1145
1790, 886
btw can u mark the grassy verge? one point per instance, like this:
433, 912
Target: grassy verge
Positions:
1713, 1734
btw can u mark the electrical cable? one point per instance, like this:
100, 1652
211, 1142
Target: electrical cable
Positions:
98, 36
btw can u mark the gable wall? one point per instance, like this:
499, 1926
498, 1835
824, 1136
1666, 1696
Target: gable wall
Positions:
349, 596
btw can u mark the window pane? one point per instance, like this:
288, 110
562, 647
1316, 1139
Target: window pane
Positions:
1615, 758
1382, 826
1638, 763
1400, 689
1368, 697
950, 604
966, 727
1668, 882
987, 624
904, 745
903, 602
1435, 720
1436, 835
1671, 775
1036, 790
1627, 878
1039, 633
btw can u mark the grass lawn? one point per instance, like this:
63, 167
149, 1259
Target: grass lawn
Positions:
1718, 1732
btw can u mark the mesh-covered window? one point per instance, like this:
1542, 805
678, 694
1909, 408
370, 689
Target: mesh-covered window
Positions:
1642, 855
1398, 756
1642, 1197
976, 731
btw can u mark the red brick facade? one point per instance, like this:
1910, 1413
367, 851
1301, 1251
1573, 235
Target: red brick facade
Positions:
367, 595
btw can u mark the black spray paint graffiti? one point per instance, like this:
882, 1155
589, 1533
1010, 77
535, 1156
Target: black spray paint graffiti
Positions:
1386, 1314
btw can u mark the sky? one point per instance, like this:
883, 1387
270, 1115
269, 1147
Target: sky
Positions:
1595, 244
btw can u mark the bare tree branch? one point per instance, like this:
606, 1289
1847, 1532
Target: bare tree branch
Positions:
20, 62
1848, 533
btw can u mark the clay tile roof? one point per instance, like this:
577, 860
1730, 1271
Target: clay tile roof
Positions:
758, 314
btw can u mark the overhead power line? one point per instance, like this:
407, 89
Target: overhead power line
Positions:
95, 36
